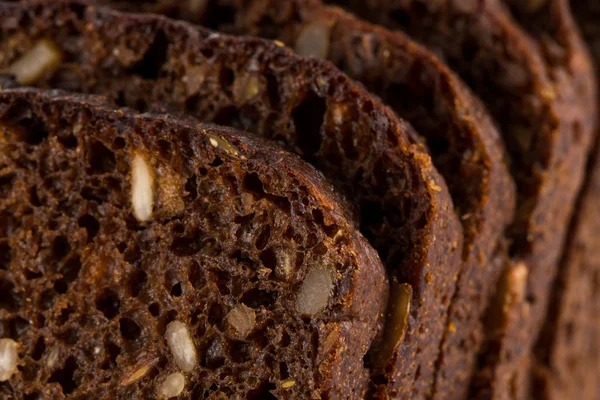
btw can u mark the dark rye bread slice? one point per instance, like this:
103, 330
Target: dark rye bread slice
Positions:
552, 25
115, 225
568, 350
306, 104
465, 146
547, 133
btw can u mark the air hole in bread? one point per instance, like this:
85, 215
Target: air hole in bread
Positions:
5, 255
137, 281
216, 315
64, 315
308, 118
6, 184
28, 128
46, 299
196, 276
101, 159
151, 64
39, 348
130, 330
91, 226
18, 327
70, 269
273, 91
263, 392
256, 298
154, 309
226, 77
111, 352
108, 303
68, 141
132, 254
9, 299
65, 376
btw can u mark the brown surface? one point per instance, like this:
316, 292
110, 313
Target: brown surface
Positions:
551, 25
547, 132
377, 159
464, 144
102, 295
568, 350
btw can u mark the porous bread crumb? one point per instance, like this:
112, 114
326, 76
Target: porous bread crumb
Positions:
170, 191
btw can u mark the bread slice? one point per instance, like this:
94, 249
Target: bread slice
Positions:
402, 202
568, 350
557, 36
465, 146
548, 136
138, 246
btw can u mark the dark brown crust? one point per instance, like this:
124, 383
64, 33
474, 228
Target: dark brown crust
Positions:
359, 307
545, 129
405, 75
567, 352
432, 253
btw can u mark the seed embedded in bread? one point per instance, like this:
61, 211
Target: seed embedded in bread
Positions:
142, 188
181, 346
140, 370
42, 59
283, 268
246, 88
517, 283
219, 143
396, 323
172, 386
242, 318
315, 291
287, 384
53, 357
8, 359
314, 39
